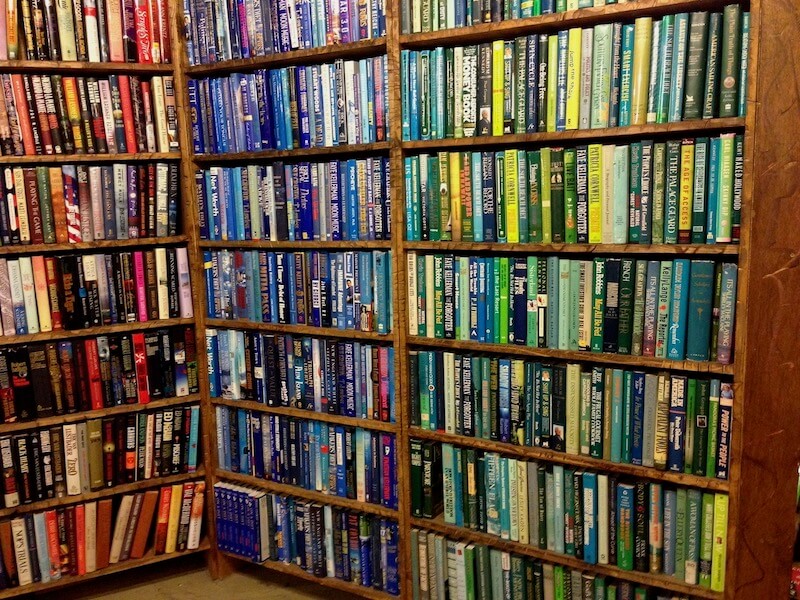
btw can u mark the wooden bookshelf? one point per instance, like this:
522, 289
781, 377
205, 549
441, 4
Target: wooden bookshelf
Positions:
284, 489
297, 154
306, 330
329, 582
297, 246
664, 582
124, 488
150, 558
309, 415
98, 246
67, 159
683, 250
64, 334
86, 415
306, 56
84, 68
572, 460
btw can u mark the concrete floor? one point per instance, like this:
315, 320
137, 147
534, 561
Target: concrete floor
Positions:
188, 578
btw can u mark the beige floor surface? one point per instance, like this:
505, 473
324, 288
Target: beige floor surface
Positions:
187, 578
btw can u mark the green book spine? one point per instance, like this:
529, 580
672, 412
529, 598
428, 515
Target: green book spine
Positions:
434, 205
713, 428
706, 540
725, 197
517, 577
45, 205
424, 393
665, 69
522, 195
486, 414
690, 433
570, 197
545, 195
552, 81
680, 535
422, 328
574, 304
681, 36
718, 551
730, 61
693, 533
712, 65
438, 296
450, 98
673, 176
696, 66
496, 297
743, 64
533, 312
483, 576
635, 205
443, 186
637, 331
626, 290
659, 180
504, 295
558, 582
425, 94
601, 75
469, 572
598, 304
520, 84
699, 200
534, 195
471, 489
564, 308
557, 195
596, 414
500, 199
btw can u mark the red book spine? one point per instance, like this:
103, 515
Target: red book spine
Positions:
166, 49
31, 196
52, 278
21, 104
143, 39
53, 550
141, 285
162, 523
140, 357
93, 373
383, 367
80, 535
127, 112
109, 451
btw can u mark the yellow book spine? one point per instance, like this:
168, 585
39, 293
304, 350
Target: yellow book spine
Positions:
595, 179
545, 199
686, 192
522, 487
574, 77
445, 218
174, 518
642, 44
73, 110
455, 195
498, 49
718, 550
573, 408
511, 197
552, 81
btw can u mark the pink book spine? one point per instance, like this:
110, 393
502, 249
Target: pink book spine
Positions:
184, 284
3, 35
141, 287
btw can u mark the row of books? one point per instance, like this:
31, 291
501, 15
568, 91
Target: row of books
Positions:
675, 309
348, 462
442, 568
80, 203
56, 378
679, 67
675, 192
264, 27
351, 379
77, 458
336, 200
89, 30
323, 540
347, 290
47, 293
636, 525
84, 538
331, 104
662, 421
54, 114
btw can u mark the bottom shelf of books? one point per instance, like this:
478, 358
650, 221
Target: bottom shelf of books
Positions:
58, 547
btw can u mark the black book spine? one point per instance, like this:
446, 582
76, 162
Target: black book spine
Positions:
611, 310
640, 544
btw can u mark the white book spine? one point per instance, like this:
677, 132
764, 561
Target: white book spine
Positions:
607, 200
160, 114
29, 294
90, 533
108, 113
163, 286
83, 456
148, 447
11, 494
22, 206
66, 30
96, 187
602, 519
91, 30
21, 552
71, 460
185, 304
123, 514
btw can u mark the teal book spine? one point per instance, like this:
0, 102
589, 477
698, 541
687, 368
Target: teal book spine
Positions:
489, 306
621, 194
670, 531
712, 199
699, 312
564, 308
627, 416
497, 281
625, 526
700, 191
477, 197
617, 414
492, 494
550, 517
665, 69
532, 330
433, 393
458, 486
679, 308
590, 518
627, 76
596, 414
680, 40
552, 301
486, 415
405, 85
601, 75
423, 95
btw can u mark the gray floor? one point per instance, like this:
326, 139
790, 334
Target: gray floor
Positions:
188, 578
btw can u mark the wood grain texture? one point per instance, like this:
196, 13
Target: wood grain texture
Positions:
318, 153
98, 414
306, 56
562, 458
62, 334
296, 246
284, 489
687, 250
604, 358
309, 415
98, 246
329, 582
766, 439
150, 558
477, 537
83, 69
125, 488
66, 159
308, 330
565, 138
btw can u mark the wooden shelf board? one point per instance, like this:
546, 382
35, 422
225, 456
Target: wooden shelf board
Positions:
125, 488
311, 415
63, 334
284, 489
305, 56
308, 330
581, 462
60, 159
703, 250
330, 582
84, 68
296, 245
98, 414
681, 128
111, 245
625, 360
149, 558
585, 17
349, 150
655, 580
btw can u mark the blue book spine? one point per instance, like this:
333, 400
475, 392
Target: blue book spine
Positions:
249, 113
198, 141
405, 85
677, 423
679, 307
253, 124
637, 415
257, 445
301, 80
670, 530
237, 200
488, 308
352, 212
519, 295
561, 81
289, 141
590, 518
626, 78
264, 109
42, 548
341, 483
194, 432
504, 401
304, 228
413, 96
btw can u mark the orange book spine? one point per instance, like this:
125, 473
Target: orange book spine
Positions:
162, 523
53, 550
127, 112
93, 372
57, 202
23, 115
52, 276
74, 113
80, 535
